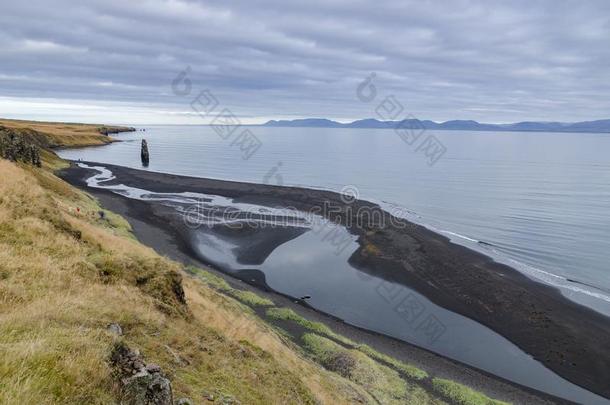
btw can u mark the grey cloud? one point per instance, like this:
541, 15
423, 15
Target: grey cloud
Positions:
506, 61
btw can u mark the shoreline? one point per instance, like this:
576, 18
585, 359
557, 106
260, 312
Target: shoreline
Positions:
485, 283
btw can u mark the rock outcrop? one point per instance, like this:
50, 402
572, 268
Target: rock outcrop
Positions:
115, 329
144, 153
115, 130
15, 147
141, 383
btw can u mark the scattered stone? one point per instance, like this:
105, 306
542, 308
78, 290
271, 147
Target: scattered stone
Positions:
228, 400
184, 401
153, 368
147, 389
142, 384
222, 398
116, 329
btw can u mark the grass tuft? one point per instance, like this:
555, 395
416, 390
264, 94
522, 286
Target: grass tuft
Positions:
381, 382
247, 297
210, 279
406, 369
252, 299
461, 394
287, 314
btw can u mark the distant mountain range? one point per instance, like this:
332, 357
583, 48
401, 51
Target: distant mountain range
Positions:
586, 126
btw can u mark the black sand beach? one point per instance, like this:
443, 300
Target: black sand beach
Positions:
569, 339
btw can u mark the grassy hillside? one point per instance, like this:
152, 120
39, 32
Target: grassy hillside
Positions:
56, 134
67, 272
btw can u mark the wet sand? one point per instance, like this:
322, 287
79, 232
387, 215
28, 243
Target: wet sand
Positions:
569, 339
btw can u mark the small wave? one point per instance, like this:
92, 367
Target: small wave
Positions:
457, 235
588, 285
532, 268
558, 281
491, 249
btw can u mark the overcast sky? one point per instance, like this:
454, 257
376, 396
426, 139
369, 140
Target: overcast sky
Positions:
114, 60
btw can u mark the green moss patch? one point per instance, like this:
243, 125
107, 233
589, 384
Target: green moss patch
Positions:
381, 382
251, 298
210, 279
461, 394
288, 314
406, 369
220, 284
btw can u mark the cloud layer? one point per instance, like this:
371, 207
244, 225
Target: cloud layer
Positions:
500, 62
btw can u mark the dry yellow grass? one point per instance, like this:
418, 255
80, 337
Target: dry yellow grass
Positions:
63, 134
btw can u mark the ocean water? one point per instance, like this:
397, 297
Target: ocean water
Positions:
539, 201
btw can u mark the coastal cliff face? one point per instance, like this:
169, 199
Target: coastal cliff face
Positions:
52, 135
